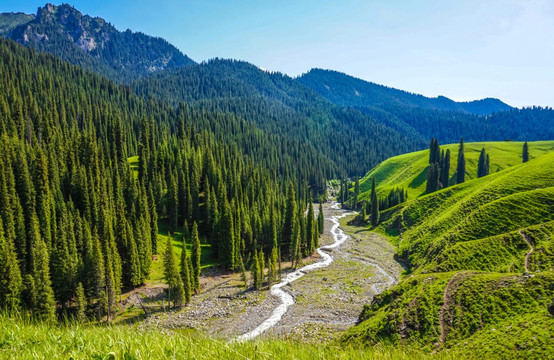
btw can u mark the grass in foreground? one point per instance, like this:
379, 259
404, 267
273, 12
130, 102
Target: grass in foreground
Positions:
23, 339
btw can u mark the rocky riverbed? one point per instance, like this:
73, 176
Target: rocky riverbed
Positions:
327, 300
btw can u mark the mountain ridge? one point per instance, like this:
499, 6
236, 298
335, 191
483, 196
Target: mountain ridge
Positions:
92, 42
348, 90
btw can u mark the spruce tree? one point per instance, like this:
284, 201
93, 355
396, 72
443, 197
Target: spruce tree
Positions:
290, 218
525, 152
310, 225
10, 276
186, 276
172, 276
374, 206
481, 165
195, 257
261, 260
255, 270
81, 301
45, 304
461, 168
320, 217
445, 170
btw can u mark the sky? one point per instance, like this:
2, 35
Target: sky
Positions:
462, 49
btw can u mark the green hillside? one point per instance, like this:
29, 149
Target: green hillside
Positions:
410, 170
481, 258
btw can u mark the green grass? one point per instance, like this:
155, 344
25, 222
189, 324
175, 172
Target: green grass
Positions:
471, 231
410, 170
156, 271
23, 339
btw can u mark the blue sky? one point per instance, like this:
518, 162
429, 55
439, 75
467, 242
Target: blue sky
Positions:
462, 49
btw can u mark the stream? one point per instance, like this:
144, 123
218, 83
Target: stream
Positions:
287, 300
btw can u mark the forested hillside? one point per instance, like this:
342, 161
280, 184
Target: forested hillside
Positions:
77, 226
91, 42
421, 117
275, 103
480, 255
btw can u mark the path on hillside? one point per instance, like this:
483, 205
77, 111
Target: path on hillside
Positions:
532, 249
447, 302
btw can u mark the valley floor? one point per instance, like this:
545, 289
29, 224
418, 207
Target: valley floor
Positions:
327, 301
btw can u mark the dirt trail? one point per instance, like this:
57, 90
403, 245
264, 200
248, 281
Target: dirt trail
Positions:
532, 249
447, 302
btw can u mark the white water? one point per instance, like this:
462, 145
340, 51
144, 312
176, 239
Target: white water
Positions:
287, 300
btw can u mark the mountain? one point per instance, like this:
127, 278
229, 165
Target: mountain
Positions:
91, 42
347, 90
480, 257
350, 140
421, 117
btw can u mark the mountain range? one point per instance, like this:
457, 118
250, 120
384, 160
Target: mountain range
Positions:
352, 124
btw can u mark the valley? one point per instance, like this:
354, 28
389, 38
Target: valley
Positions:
322, 299
157, 207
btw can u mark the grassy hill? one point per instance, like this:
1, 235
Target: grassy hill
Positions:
410, 170
481, 257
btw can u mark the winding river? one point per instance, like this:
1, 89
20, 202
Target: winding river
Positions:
287, 300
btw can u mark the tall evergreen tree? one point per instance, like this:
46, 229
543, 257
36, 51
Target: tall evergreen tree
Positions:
186, 276
176, 292
461, 167
45, 304
195, 257
320, 217
525, 152
445, 170
374, 205
481, 165
290, 219
10, 276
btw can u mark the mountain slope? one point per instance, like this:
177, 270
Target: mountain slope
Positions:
350, 91
467, 247
421, 117
93, 43
276, 103
409, 171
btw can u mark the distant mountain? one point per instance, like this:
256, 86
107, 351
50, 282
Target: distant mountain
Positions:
91, 42
346, 90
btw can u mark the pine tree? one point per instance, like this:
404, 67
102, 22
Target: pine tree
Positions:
320, 218
10, 276
261, 260
45, 304
195, 257
433, 174
186, 276
172, 276
290, 219
81, 302
461, 168
374, 206
356, 193
481, 165
525, 152
310, 225
445, 170
255, 270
